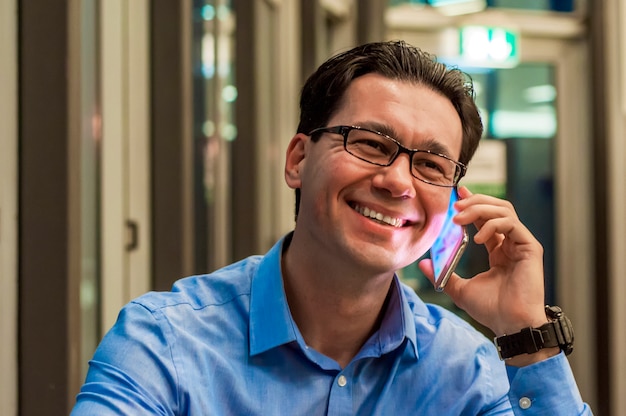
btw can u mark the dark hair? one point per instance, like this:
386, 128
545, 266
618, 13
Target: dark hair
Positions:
323, 91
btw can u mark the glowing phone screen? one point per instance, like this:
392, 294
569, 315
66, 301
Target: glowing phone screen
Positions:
447, 249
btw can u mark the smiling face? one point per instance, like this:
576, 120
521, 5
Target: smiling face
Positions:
377, 218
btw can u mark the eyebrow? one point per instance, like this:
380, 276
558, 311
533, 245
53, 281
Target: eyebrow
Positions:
431, 144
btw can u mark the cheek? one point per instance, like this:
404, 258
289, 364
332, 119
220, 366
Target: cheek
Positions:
331, 173
435, 224
320, 184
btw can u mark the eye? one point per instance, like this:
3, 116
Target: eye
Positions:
423, 164
373, 143
431, 166
369, 143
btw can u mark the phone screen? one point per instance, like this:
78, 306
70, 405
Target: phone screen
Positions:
449, 246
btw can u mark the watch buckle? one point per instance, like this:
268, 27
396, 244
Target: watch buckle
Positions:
534, 342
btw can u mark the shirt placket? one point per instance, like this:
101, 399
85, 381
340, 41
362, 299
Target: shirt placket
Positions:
340, 400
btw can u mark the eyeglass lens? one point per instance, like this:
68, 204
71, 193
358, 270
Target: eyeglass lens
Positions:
380, 150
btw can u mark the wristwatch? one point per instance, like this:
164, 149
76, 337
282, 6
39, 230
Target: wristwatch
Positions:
556, 333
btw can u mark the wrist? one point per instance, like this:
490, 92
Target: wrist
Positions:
533, 344
523, 360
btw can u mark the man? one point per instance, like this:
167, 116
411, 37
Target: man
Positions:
321, 324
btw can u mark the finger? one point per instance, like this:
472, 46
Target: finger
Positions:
426, 266
468, 199
454, 289
506, 228
482, 216
464, 192
497, 215
494, 230
490, 240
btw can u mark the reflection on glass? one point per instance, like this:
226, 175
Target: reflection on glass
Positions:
517, 102
518, 108
215, 94
89, 185
554, 5
468, 6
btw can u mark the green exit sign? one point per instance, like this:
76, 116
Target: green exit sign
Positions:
489, 46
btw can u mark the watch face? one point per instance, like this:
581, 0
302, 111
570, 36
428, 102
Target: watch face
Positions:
568, 335
553, 312
562, 327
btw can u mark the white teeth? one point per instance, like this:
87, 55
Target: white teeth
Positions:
367, 212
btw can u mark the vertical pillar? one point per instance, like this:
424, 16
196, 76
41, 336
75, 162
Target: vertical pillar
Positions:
48, 342
8, 205
172, 153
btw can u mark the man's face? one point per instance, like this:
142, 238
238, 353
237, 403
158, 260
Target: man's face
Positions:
337, 187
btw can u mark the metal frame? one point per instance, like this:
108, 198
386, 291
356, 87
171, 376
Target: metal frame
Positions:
8, 205
608, 36
125, 186
267, 68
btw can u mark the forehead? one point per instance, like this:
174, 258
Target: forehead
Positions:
413, 113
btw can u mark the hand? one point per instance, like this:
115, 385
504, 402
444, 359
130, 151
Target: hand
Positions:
510, 295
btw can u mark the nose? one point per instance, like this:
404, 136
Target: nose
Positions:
396, 178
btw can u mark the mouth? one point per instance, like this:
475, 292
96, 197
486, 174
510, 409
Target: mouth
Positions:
379, 217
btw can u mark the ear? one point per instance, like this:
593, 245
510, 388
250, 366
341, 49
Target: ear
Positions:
295, 159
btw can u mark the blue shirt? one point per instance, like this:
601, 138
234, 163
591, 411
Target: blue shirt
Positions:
226, 344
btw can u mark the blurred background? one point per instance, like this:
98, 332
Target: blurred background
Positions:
143, 141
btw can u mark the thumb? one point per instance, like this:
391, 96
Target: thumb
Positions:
426, 266
452, 288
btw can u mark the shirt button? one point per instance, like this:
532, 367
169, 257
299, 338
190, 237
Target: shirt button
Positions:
524, 403
342, 381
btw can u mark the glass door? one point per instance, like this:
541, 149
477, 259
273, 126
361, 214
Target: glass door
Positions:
214, 129
515, 161
536, 151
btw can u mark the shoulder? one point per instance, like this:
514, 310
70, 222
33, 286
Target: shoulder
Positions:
198, 292
440, 328
197, 308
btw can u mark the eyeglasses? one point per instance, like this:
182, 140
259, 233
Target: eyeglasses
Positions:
382, 150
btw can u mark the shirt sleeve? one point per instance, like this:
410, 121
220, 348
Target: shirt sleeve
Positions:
132, 371
545, 388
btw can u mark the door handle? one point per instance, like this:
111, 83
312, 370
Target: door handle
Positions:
132, 239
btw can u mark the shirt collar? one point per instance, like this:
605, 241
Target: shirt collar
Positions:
398, 323
272, 325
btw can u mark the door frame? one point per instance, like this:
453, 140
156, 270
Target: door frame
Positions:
125, 165
8, 205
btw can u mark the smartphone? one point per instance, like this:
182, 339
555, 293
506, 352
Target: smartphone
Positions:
449, 246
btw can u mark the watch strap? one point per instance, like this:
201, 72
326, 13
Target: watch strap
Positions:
556, 333
527, 341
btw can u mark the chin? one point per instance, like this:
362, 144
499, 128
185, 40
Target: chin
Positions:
388, 260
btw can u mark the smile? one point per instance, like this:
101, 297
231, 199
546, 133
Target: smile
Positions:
377, 216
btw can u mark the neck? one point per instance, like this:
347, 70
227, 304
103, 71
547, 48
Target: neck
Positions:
336, 309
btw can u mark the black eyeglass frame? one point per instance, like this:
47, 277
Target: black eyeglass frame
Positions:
345, 130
